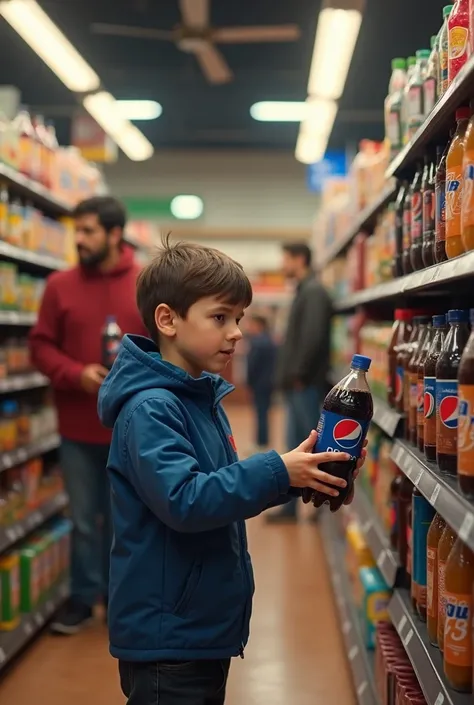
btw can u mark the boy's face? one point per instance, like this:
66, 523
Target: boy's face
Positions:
205, 340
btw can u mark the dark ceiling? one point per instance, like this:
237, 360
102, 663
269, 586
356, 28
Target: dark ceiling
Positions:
196, 114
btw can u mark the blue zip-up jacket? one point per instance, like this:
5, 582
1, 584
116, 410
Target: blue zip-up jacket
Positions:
181, 579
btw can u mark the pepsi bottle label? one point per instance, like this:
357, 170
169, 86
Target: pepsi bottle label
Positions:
447, 416
339, 434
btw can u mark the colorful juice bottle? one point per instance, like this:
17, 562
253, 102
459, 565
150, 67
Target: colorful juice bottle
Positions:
444, 51
454, 186
458, 38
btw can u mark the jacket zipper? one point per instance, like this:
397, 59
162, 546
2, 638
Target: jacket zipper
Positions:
241, 538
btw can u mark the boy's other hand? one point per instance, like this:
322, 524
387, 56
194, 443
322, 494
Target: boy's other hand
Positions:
302, 466
92, 377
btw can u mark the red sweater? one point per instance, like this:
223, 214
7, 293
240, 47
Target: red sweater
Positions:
68, 336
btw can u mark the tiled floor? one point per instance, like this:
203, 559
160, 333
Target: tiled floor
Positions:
295, 655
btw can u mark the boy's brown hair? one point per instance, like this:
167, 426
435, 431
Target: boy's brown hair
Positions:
182, 273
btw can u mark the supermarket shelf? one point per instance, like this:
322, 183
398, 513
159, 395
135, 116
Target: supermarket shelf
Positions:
364, 222
9, 535
37, 193
440, 491
21, 455
428, 280
439, 122
427, 661
17, 318
361, 661
18, 383
18, 254
12, 642
387, 559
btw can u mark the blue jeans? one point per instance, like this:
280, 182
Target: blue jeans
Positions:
262, 400
303, 407
84, 470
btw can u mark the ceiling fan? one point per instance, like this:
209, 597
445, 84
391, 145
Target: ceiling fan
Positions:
196, 36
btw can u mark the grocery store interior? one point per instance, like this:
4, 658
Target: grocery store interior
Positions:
327, 146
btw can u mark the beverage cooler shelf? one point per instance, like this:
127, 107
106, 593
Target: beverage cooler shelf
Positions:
18, 383
364, 222
441, 492
39, 261
37, 193
17, 318
426, 660
388, 561
12, 642
9, 535
431, 280
361, 661
438, 124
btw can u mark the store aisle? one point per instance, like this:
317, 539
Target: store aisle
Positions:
295, 653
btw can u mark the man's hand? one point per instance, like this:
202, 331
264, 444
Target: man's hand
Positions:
92, 377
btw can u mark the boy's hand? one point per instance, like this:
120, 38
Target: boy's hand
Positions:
302, 466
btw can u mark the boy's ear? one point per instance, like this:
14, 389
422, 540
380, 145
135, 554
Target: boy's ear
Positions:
165, 319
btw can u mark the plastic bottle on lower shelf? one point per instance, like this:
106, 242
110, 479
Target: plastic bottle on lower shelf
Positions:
446, 542
466, 417
422, 516
459, 579
436, 529
429, 426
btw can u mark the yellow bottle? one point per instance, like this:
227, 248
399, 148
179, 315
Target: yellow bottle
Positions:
454, 186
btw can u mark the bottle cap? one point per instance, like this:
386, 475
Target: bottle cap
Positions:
398, 63
360, 362
447, 10
439, 321
423, 54
411, 61
463, 113
109, 319
423, 320
458, 315
403, 314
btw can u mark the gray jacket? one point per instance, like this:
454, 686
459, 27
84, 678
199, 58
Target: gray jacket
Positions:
305, 353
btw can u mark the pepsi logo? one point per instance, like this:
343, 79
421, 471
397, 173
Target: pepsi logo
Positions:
429, 405
448, 412
347, 433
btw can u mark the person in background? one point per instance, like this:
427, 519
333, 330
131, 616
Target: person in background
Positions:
261, 361
305, 353
66, 346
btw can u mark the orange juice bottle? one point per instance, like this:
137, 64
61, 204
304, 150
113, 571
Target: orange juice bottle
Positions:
454, 185
467, 207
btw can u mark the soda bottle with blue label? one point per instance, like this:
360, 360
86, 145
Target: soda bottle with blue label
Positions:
422, 516
343, 425
429, 385
111, 339
447, 391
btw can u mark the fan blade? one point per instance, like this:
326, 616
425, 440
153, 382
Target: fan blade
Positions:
265, 33
195, 13
121, 30
213, 65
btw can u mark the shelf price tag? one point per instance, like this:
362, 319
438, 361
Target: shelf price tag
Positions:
434, 495
381, 560
353, 652
408, 638
401, 623
346, 627
440, 699
366, 527
28, 629
362, 688
466, 527
418, 478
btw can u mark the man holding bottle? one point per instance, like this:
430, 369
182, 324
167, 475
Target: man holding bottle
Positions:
66, 345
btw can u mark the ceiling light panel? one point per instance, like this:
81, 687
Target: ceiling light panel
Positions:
139, 109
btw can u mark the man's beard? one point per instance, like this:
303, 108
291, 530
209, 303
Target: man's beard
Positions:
91, 260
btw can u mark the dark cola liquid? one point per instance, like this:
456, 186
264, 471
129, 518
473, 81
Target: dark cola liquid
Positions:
353, 404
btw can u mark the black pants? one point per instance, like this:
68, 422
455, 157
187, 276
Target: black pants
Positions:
174, 682
262, 403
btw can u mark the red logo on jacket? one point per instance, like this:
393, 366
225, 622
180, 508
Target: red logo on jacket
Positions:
232, 443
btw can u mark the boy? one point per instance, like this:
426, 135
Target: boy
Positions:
181, 579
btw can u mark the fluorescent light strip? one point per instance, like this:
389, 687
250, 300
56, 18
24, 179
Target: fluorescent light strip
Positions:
43, 36
336, 37
315, 131
278, 111
139, 109
103, 108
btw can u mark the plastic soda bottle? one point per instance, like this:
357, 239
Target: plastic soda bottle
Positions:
434, 534
459, 578
454, 186
343, 425
444, 51
458, 38
111, 339
446, 542
466, 416
429, 425
467, 207
422, 516
440, 204
393, 106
